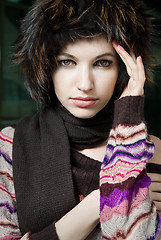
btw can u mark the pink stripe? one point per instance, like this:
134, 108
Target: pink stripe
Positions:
6, 191
133, 173
123, 209
4, 138
124, 162
120, 174
11, 237
122, 171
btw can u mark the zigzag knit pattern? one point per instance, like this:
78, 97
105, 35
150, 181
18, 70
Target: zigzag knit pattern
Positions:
8, 225
126, 211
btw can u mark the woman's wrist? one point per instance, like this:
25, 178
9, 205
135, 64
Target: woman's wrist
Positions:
129, 110
81, 220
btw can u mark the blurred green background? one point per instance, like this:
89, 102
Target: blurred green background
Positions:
16, 103
14, 99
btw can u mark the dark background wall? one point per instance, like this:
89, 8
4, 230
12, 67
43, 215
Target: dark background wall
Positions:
14, 99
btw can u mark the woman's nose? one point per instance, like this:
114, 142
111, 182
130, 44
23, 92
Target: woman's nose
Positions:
85, 79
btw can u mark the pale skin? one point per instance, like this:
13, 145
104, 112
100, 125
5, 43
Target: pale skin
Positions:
87, 72
82, 219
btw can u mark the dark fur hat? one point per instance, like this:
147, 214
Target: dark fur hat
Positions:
51, 24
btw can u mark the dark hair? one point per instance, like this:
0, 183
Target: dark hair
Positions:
51, 24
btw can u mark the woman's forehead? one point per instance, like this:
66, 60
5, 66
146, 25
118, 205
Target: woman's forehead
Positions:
96, 44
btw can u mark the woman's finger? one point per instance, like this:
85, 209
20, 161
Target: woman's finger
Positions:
158, 205
156, 199
141, 73
155, 196
129, 61
155, 187
135, 70
155, 177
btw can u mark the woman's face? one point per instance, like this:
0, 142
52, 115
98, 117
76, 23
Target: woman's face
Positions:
85, 78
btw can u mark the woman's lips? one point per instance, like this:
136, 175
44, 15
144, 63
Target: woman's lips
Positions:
84, 101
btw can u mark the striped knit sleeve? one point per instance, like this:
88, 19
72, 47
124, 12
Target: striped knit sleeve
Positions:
9, 227
126, 210
8, 215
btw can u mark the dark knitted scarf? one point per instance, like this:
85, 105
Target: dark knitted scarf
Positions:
41, 162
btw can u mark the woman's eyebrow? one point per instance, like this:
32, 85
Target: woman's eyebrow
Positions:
63, 54
106, 55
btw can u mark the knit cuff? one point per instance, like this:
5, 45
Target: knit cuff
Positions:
47, 233
129, 110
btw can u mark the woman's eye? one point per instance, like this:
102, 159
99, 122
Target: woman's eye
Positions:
66, 63
103, 63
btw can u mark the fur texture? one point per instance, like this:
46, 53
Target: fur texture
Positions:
51, 24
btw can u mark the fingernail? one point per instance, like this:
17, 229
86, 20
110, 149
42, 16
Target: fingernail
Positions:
121, 48
116, 43
140, 59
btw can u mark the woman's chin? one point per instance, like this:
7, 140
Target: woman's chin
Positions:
84, 113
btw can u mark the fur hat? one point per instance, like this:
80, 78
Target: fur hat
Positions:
51, 24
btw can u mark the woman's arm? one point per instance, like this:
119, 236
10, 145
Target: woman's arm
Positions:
155, 189
126, 210
76, 224
8, 214
80, 221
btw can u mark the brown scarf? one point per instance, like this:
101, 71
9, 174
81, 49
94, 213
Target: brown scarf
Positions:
41, 162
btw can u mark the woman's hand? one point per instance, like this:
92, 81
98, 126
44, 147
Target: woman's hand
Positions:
81, 220
135, 70
155, 189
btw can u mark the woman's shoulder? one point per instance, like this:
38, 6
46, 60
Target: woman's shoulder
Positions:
157, 154
8, 132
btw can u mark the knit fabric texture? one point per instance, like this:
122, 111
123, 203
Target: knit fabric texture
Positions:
85, 173
42, 162
126, 211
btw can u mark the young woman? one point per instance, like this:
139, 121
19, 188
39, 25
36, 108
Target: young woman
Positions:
86, 63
